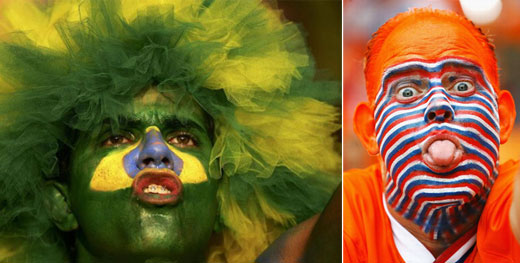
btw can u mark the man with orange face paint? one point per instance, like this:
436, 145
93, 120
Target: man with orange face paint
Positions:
436, 118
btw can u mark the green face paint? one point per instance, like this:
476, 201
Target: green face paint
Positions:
114, 224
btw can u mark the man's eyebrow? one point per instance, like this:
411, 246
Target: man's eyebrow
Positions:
429, 67
127, 121
177, 122
452, 78
417, 80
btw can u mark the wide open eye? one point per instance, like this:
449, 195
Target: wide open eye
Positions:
118, 140
407, 94
463, 88
182, 140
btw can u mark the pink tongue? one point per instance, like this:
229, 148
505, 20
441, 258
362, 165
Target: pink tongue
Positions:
442, 152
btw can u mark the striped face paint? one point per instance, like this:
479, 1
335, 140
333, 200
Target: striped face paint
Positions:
437, 128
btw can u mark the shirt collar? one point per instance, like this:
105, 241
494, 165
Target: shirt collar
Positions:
412, 250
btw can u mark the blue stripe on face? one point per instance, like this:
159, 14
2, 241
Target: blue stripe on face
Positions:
403, 130
421, 217
152, 152
384, 94
456, 101
419, 122
425, 170
425, 132
468, 181
431, 68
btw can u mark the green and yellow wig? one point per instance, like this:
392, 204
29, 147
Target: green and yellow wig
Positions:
68, 66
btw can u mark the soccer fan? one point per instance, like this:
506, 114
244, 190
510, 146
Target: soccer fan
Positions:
436, 117
157, 131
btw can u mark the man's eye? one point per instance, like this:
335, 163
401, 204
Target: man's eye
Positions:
182, 140
116, 140
463, 88
407, 94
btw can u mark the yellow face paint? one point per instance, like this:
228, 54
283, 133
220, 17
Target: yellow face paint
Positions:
110, 174
193, 171
154, 128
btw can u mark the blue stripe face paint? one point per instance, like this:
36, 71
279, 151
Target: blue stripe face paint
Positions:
152, 152
437, 128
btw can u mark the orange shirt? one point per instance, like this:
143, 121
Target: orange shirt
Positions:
367, 233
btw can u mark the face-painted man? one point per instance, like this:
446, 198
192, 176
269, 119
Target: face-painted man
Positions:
436, 117
146, 131
143, 188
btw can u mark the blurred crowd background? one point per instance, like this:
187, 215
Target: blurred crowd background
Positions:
499, 20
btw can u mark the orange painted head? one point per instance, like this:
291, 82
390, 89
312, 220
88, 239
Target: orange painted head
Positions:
426, 34
435, 115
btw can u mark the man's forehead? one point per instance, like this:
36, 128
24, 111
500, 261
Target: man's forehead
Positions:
434, 69
436, 66
154, 107
151, 96
428, 39
428, 36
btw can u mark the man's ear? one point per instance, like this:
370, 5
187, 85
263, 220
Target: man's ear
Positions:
364, 127
58, 206
506, 113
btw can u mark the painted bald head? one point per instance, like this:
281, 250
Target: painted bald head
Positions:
427, 35
436, 116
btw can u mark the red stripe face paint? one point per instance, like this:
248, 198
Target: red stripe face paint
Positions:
437, 129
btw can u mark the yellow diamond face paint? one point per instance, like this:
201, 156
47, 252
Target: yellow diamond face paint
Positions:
117, 170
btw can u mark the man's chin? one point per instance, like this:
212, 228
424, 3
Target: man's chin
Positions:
120, 226
152, 233
150, 243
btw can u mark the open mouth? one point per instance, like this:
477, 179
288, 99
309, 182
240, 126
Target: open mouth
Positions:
442, 152
157, 187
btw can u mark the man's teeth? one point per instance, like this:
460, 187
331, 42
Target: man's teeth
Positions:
156, 189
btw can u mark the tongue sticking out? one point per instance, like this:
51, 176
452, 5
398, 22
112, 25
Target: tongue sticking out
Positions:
443, 153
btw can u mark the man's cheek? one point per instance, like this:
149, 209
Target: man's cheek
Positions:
193, 172
110, 173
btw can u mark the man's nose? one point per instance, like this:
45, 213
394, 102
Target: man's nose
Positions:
439, 109
155, 153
